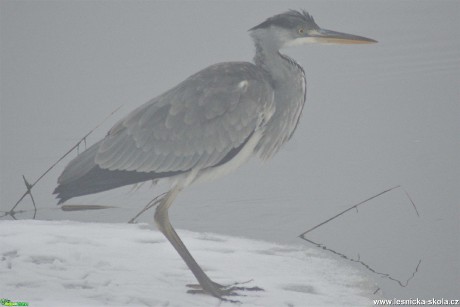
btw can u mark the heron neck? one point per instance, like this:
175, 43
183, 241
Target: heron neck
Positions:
271, 60
289, 85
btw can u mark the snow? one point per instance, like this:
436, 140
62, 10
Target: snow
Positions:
63, 263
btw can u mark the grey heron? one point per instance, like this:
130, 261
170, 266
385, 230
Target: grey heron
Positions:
206, 126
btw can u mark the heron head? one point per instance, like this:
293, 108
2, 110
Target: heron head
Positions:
297, 28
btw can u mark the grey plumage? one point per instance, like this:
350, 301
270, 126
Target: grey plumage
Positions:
206, 126
196, 124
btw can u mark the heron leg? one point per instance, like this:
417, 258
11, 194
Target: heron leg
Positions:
164, 225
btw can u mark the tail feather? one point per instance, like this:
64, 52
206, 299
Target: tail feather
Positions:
98, 180
83, 176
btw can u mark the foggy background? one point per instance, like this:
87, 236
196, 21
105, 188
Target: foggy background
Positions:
376, 116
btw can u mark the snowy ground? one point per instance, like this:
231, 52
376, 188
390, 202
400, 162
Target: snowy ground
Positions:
63, 263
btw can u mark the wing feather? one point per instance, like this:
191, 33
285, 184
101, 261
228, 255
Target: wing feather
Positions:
196, 124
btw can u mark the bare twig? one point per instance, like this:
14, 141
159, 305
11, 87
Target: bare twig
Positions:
29, 191
412, 202
149, 205
358, 260
65, 208
29, 186
346, 210
368, 267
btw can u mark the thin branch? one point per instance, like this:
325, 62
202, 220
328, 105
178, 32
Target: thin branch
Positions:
368, 267
358, 260
412, 202
83, 139
346, 210
29, 191
65, 208
149, 205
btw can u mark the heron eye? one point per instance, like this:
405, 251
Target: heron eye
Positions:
301, 31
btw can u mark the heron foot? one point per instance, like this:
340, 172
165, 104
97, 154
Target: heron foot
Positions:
220, 291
